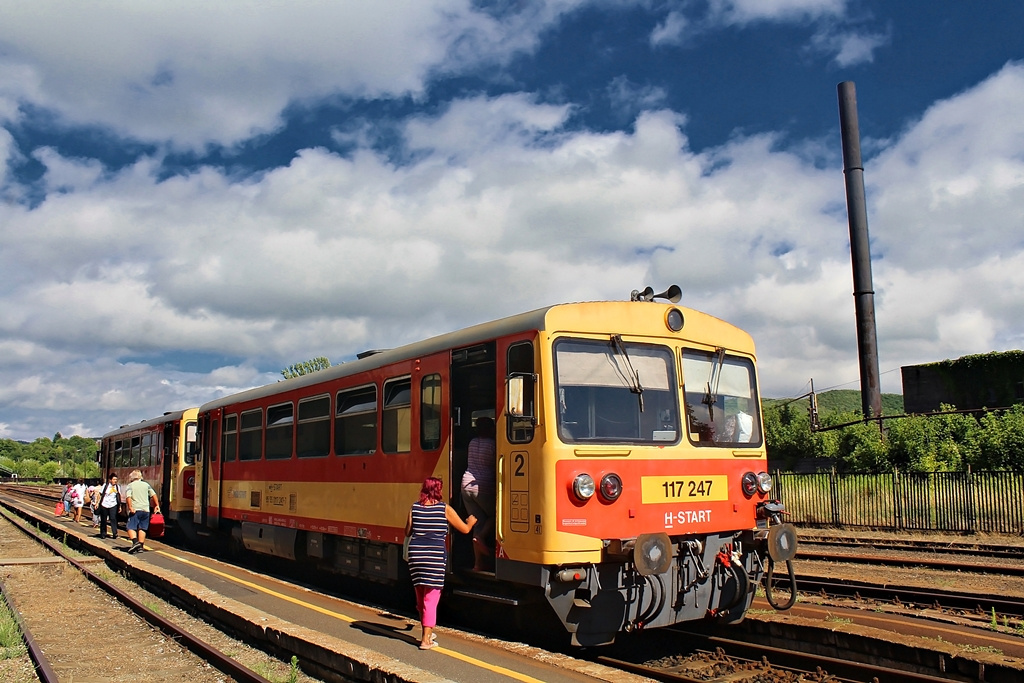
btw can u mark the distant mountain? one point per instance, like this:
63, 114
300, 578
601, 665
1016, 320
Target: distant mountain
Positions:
842, 401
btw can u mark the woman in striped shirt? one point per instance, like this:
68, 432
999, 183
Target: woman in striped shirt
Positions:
427, 529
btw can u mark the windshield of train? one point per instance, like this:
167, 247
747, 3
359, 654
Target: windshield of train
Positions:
615, 392
721, 399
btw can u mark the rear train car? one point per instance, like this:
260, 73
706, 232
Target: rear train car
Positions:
164, 450
631, 467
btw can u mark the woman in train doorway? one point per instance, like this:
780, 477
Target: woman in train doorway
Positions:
426, 528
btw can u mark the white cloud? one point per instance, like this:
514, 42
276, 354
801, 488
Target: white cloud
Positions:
748, 11
191, 73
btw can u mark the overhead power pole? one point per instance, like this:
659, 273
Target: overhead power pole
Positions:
860, 252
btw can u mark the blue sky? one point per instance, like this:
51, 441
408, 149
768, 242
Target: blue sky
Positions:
196, 195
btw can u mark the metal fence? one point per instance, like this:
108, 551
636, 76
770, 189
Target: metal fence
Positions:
961, 502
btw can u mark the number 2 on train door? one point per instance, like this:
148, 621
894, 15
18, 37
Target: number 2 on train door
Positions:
519, 493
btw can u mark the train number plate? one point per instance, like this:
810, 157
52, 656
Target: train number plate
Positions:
684, 489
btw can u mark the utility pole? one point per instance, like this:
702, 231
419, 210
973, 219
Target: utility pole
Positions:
860, 252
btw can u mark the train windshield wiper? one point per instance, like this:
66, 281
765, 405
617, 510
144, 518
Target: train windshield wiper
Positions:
711, 394
634, 376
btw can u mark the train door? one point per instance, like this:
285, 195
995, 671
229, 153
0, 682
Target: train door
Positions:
207, 466
473, 386
169, 448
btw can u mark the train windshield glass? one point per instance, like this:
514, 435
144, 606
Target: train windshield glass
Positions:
615, 392
721, 399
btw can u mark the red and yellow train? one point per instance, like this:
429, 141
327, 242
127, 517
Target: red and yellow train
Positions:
632, 489
164, 450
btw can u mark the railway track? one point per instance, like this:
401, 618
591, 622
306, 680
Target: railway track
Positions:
958, 548
45, 571
726, 660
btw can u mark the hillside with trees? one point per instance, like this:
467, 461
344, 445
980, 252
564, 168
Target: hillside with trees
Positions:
950, 442
49, 459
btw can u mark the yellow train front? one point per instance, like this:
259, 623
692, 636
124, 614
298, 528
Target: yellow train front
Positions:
630, 468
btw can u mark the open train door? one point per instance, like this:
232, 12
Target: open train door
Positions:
207, 500
473, 386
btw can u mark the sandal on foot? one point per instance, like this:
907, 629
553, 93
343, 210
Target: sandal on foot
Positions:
428, 646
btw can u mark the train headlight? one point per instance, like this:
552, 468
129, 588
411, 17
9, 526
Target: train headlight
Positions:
583, 486
611, 487
764, 482
749, 484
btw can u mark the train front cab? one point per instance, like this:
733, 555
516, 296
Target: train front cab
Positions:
627, 491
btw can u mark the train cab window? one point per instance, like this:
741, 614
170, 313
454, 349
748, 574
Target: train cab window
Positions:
355, 422
136, 452
613, 391
229, 442
280, 426
430, 412
721, 399
250, 436
314, 431
396, 427
190, 443
521, 421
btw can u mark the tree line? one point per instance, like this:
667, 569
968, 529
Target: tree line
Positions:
951, 442
50, 459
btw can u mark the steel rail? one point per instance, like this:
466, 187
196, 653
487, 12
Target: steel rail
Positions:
911, 594
215, 657
42, 664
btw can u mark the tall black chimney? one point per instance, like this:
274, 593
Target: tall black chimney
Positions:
860, 252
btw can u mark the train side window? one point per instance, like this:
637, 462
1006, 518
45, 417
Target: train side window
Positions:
396, 427
355, 422
146, 453
250, 437
229, 445
314, 430
522, 419
136, 452
190, 443
430, 412
280, 426
118, 458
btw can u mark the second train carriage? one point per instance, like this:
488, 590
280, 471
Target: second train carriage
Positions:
164, 450
630, 469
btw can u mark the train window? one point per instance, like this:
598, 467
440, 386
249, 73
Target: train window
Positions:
430, 412
229, 443
280, 423
314, 431
721, 399
250, 436
190, 443
520, 364
396, 427
136, 452
146, 453
118, 459
355, 422
615, 392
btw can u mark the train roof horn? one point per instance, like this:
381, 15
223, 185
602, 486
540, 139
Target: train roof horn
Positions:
673, 294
